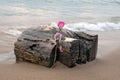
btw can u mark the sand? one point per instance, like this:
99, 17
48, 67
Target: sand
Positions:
105, 67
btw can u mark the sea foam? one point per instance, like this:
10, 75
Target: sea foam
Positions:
83, 26
14, 32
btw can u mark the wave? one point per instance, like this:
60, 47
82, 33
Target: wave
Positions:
14, 32
83, 26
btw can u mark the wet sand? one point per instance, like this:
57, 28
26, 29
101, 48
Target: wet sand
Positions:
105, 67
6, 42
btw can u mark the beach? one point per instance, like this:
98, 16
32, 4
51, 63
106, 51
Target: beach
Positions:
100, 17
105, 67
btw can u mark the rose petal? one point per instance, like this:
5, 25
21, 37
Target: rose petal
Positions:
61, 50
61, 24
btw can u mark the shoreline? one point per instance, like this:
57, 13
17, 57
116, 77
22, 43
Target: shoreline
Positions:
105, 67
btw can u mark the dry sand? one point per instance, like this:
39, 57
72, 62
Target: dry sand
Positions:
105, 67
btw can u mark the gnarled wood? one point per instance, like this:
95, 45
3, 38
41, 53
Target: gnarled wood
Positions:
36, 45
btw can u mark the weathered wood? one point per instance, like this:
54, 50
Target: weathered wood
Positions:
70, 53
36, 45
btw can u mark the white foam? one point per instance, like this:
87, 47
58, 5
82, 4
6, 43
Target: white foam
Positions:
13, 32
83, 26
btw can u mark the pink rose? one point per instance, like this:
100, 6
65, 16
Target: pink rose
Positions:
61, 24
60, 38
58, 34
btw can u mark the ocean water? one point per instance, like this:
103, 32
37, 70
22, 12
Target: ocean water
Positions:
92, 15
7, 58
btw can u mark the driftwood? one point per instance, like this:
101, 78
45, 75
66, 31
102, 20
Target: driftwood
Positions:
36, 45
